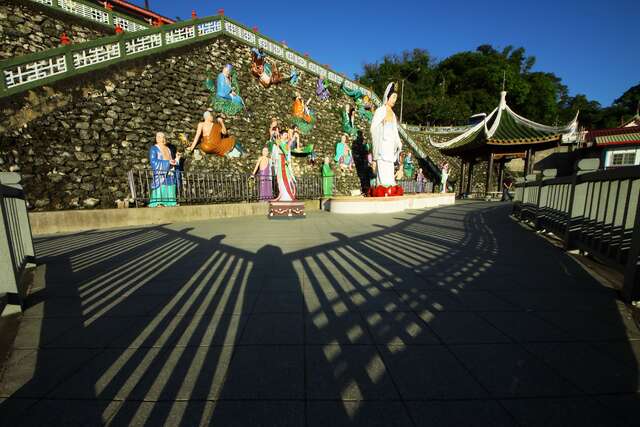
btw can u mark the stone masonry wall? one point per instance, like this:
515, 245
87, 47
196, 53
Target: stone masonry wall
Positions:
76, 141
26, 27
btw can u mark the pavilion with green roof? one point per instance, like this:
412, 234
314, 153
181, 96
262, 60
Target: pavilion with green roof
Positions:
501, 136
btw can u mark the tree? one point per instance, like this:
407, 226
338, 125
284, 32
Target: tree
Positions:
450, 91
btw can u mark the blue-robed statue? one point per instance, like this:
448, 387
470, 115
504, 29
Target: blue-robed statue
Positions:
224, 89
225, 92
163, 185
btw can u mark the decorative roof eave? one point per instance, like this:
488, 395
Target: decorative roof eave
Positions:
470, 134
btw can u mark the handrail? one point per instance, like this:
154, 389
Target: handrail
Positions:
15, 238
42, 68
88, 11
597, 212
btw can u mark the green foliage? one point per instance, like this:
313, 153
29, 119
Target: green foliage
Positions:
448, 92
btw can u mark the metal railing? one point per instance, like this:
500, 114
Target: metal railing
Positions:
29, 71
92, 12
214, 187
596, 212
16, 244
411, 186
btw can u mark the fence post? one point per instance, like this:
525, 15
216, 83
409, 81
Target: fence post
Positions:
577, 199
10, 276
631, 288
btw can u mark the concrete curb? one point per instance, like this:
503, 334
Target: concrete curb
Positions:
72, 221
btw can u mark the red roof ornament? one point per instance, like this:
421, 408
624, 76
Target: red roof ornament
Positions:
107, 5
194, 15
256, 29
119, 29
221, 12
64, 39
157, 23
306, 55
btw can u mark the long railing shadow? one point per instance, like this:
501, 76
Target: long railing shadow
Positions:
155, 326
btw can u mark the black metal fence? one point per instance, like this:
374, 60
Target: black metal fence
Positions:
16, 244
597, 212
212, 187
229, 187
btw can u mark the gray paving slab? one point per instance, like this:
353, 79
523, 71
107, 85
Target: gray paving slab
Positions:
274, 328
463, 328
328, 327
54, 413
592, 371
33, 373
524, 327
258, 413
471, 413
429, 372
357, 413
594, 326
582, 411
265, 372
507, 370
399, 328
622, 408
347, 372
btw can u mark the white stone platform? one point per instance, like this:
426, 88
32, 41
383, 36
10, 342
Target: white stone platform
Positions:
364, 205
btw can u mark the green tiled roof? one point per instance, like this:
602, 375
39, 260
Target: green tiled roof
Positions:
504, 127
510, 131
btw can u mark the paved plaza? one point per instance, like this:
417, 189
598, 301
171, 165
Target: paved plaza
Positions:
454, 316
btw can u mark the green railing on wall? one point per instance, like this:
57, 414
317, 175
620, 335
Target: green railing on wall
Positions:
91, 12
43, 68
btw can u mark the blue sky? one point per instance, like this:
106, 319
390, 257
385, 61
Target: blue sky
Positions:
592, 45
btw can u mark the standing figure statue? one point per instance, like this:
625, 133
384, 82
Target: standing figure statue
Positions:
386, 145
263, 173
408, 166
327, 177
280, 155
444, 177
163, 185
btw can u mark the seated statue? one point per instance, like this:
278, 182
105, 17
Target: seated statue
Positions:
303, 117
295, 144
363, 104
214, 139
348, 114
322, 89
268, 73
343, 155
226, 92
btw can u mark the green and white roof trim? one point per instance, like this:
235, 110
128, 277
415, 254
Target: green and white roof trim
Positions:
503, 127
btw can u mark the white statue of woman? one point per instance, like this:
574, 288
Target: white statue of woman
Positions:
444, 177
386, 140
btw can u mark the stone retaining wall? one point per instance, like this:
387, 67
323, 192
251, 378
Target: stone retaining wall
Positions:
26, 27
75, 142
